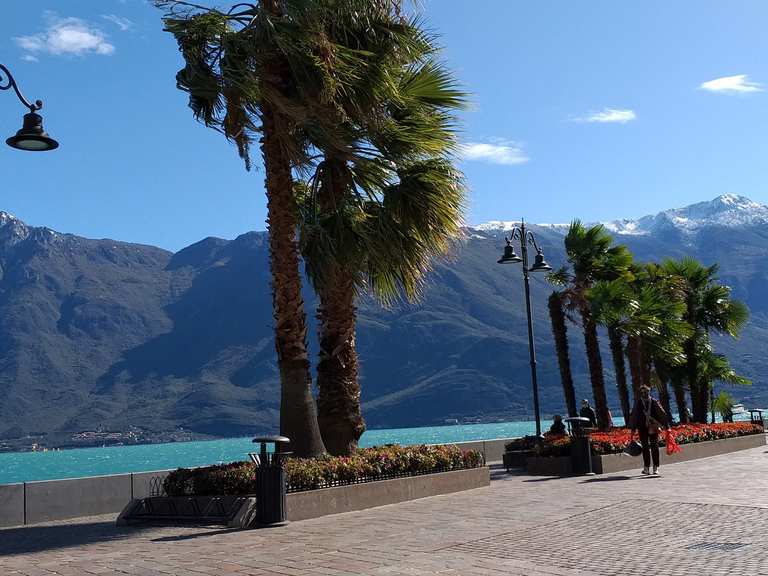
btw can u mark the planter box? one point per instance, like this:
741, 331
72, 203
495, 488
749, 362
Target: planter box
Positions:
516, 458
316, 503
618, 462
309, 504
607, 463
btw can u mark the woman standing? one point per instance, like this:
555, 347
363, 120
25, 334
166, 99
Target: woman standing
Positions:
648, 417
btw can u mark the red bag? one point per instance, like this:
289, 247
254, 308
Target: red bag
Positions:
672, 445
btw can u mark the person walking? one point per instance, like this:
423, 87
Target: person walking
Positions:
648, 417
588, 412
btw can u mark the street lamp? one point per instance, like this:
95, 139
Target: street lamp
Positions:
539, 265
31, 137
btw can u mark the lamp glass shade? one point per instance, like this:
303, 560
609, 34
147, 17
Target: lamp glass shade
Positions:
32, 137
509, 256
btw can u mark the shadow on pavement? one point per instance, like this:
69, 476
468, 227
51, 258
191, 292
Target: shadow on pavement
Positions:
545, 479
181, 537
29, 539
608, 479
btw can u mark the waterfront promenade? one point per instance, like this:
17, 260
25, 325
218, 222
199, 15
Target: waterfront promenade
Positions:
706, 516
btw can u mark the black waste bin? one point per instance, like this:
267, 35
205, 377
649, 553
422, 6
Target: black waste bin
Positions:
271, 481
581, 451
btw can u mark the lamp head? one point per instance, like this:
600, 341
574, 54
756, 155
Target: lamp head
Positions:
540, 265
509, 256
32, 137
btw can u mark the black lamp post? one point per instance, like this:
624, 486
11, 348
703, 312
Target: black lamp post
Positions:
539, 265
31, 137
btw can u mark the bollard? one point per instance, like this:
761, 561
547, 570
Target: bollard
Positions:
271, 482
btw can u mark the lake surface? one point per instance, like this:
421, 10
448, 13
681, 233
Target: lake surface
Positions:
78, 462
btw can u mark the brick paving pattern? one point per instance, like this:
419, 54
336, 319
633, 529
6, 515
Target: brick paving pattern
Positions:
705, 517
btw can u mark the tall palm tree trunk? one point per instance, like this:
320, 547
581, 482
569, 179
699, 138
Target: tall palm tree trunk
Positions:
698, 393
662, 375
298, 417
617, 352
635, 365
592, 344
338, 402
682, 407
560, 333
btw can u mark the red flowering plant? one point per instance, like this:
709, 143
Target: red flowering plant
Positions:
615, 440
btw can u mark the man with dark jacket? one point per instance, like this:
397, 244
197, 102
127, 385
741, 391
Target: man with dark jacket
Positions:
588, 412
648, 417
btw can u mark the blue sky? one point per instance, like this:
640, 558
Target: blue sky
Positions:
591, 109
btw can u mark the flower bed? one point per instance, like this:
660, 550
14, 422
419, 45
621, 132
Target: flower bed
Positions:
615, 440
366, 465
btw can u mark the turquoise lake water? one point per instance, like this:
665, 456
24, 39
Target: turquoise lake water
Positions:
75, 463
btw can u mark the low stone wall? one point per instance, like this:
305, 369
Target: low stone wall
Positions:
316, 503
33, 502
12, 505
608, 463
492, 450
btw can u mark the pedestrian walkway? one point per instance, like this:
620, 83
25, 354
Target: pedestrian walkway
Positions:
704, 517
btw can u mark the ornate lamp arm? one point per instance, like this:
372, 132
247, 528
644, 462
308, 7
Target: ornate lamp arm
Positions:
532, 241
10, 82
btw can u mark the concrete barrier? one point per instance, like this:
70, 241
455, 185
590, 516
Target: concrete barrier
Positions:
62, 499
492, 450
47, 500
11, 505
316, 503
142, 483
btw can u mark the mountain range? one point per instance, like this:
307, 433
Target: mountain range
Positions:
107, 335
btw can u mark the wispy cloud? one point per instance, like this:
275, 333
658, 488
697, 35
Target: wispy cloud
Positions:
738, 84
609, 116
122, 23
30, 58
66, 36
505, 152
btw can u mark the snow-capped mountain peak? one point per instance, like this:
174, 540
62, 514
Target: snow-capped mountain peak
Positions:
728, 210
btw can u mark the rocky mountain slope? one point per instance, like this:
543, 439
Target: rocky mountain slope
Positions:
100, 333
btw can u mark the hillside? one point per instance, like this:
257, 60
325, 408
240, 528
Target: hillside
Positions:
105, 334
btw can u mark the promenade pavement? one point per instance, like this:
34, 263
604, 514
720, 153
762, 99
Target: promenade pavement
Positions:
704, 517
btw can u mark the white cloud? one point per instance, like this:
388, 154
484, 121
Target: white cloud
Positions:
29, 58
506, 152
731, 85
66, 36
609, 116
122, 23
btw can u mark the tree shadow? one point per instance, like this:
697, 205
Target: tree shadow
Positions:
545, 479
31, 539
608, 479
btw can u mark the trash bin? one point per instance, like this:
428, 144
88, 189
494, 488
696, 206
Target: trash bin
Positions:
271, 481
581, 451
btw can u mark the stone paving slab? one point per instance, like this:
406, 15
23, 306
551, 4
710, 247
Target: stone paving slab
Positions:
619, 524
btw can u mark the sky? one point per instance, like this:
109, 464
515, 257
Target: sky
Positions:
591, 109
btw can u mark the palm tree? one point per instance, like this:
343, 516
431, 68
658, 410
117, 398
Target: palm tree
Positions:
375, 212
709, 308
593, 257
640, 306
273, 70
610, 304
557, 316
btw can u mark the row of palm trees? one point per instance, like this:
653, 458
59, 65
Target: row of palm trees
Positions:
659, 319
355, 119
